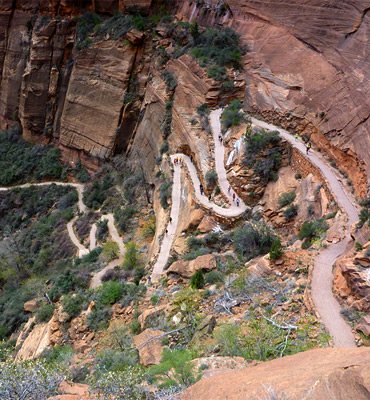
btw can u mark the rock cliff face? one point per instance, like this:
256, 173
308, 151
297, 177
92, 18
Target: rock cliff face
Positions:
305, 67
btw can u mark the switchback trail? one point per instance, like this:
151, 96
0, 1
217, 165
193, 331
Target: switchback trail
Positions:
82, 250
322, 278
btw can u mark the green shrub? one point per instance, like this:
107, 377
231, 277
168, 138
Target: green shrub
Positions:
73, 305
298, 176
131, 257
197, 280
165, 191
358, 246
286, 198
98, 319
58, 355
195, 243
110, 251
68, 281
123, 217
364, 213
45, 312
232, 115
260, 140
114, 360
108, 293
22, 162
95, 195
313, 229
290, 212
367, 252
170, 80
214, 277
277, 250
211, 179
135, 327
252, 240
203, 110
164, 147
217, 47
178, 361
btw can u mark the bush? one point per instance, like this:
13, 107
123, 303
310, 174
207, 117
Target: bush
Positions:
214, 277
178, 361
364, 213
131, 257
313, 229
108, 293
98, 318
197, 280
114, 360
211, 179
149, 227
45, 312
232, 115
165, 191
110, 251
277, 250
217, 47
257, 141
73, 305
164, 147
358, 246
290, 212
31, 380
286, 198
367, 252
252, 240
22, 162
203, 110
123, 217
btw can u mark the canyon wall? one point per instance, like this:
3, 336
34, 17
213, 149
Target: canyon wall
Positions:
305, 68
308, 62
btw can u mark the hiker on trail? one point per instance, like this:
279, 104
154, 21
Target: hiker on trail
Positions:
229, 188
210, 196
296, 136
166, 231
234, 196
308, 146
220, 137
191, 158
201, 189
237, 202
221, 140
170, 219
181, 160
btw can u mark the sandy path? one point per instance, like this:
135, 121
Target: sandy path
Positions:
96, 279
232, 211
322, 279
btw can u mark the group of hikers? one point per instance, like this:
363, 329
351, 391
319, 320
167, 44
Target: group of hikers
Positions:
306, 143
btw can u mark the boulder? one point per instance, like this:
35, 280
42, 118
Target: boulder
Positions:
259, 266
80, 389
205, 327
150, 313
135, 36
194, 220
364, 325
207, 224
340, 284
187, 268
31, 305
151, 352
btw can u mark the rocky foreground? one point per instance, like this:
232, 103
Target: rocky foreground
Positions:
315, 375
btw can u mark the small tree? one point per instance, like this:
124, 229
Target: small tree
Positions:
131, 256
197, 280
277, 250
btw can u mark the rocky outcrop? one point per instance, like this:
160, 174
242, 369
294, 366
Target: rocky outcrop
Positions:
150, 349
186, 269
317, 374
